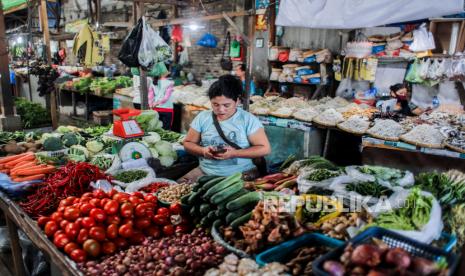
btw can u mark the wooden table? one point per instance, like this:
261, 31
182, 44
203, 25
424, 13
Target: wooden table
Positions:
85, 94
16, 218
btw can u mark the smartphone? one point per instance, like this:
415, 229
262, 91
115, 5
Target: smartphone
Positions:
219, 149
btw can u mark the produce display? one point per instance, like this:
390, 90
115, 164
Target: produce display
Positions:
300, 262
338, 227
322, 174
99, 223
232, 265
188, 254
154, 187
130, 176
377, 258
32, 114
25, 167
369, 189
276, 182
386, 129
101, 85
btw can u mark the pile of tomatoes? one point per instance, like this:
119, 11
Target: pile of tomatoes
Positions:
100, 223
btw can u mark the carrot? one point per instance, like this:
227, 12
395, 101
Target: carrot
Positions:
24, 163
4, 171
35, 167
47, 169
29, 178
1, 167
27, 157
13, 157
28, 164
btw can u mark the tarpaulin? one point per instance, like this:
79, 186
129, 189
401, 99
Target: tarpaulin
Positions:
351, 14
8, 4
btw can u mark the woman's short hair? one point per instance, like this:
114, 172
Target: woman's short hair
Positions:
228, 86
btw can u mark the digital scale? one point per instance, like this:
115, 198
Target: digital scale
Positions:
126, 127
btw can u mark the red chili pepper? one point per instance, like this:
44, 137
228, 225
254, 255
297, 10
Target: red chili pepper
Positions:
154, 187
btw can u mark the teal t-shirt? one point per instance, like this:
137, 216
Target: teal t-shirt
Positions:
237, 128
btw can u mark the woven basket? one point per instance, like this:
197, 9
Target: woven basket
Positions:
392, 139
420, 144
351, 130
454, 148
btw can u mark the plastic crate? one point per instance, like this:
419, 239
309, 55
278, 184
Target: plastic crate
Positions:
393, 240
280, 252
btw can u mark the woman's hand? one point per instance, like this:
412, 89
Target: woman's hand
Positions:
228, 154
208, 152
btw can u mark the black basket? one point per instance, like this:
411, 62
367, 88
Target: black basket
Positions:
393, 240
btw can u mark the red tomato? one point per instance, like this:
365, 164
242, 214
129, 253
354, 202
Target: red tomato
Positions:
50, 228
153, 231
182, 228
78, 222
108, 248
121, 197
63, 224
88, 222
160, 220
126, 210
125, 230
176, 208
91, 247
78, 255
168, 230
70, 247
95, 202
104, 201
135, 200
141, 209
61, 209
163, 212
138, 194
41, 221
61, 240
142, 223
57, 217
112, 193
137, 237
85, 208
120, 242
82, 236
87, 195
113, 219
97, 232
111, 207
150, 198
112, 231
128, 221
98, 214
72, 230
71, 213
59, 232
76, 201
99, 194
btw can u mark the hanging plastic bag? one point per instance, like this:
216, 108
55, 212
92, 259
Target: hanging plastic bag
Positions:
130, 49
158, 69
153, 48
184, 57
423, 40
423, 69
208, 40
235, 49
176, 33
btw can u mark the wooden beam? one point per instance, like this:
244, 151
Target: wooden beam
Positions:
138, 11
250, 53
271, 23
5, 88
118, 24
167, 2
234, 25
175, 21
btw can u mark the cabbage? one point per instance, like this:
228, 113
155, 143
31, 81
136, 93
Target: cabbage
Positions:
166, 161
154, 152
164, 148
94, 146
78, 150
152, 138
48, 135
148, 120
63, 129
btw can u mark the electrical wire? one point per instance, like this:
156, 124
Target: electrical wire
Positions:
203, 7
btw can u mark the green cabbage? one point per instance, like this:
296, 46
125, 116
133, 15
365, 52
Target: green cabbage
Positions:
164, 148
94, 146
148, 120
152, 138
154, 152
166, 161
63, 129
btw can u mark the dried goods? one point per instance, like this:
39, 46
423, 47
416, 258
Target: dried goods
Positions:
174, 193
329, 117
301, 260
355, 124
387, 129
306, 114
424, 135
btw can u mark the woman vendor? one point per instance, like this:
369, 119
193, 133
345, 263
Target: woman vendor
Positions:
242, 139
399, 91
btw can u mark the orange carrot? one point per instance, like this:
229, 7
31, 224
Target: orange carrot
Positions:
35, 167
29, 178
11, 158
1, 166
28, 157
4, 171
47, 169
28, 164
24, 163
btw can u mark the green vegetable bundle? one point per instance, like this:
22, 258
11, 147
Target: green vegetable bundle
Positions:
322, 174
448, 188
130, 176
369, 189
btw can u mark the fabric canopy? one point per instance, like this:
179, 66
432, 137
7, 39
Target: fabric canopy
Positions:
8, 4
352, 14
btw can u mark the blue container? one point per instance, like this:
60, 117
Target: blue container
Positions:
310, 59
281, 252
303, 72
378, 49
393, 240
314, 80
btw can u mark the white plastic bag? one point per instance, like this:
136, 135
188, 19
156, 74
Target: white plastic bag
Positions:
153, 48
423, 40
303, 184
184, 57
406, 180
149, 178
429, 232
136, 186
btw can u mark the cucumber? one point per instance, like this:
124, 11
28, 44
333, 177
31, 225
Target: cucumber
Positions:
221, 213
205, 178
204, 209
210, 184
227, 182
247, 199
194, 211
224, 194
212, 215
185, 198
193, 198
205, 221
236, 214
196, 187
241, 220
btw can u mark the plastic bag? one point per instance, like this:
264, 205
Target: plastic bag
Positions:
130, 49
159, 69
144, 181
423, 40
184, 57
303, 184
208, 40
176, 33
136, 186
423, 68
429, 232
153, 48
391, 178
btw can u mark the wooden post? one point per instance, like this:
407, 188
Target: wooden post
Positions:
271, 23
6, 96
250, 50
44, 22
138, 10
175, 44
15, 246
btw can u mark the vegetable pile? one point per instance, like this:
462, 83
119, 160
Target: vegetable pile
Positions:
322, 174
186, 254
378, 259
32, 114
24, 167
130, 176
154, 187
100, 223
232, 265
276, 182
369, 189
71, 180
301, 260
174, 193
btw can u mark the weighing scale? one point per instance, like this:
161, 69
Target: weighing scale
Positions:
134, 151
126, 127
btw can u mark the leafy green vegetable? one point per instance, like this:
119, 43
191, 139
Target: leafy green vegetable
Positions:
102, 161
94, 146
97, 131
149, 120
413, 215
63, 129
32, 114
70, 139
369, 189
130, 176
322, 174
387, 174
53, 144
448, 188
78, 153
164, 148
